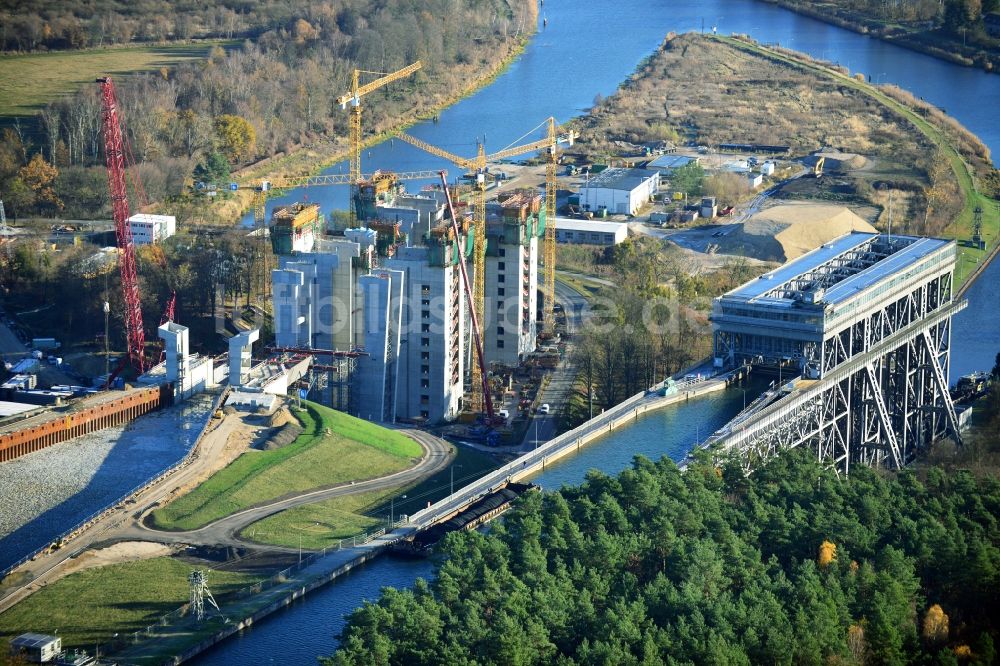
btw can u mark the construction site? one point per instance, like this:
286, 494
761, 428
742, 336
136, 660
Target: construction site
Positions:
390, 320
432, 309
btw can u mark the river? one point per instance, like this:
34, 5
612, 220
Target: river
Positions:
587, 49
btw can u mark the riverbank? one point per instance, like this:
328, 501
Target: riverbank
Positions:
311, 160
913, 38
961, 228
696, 90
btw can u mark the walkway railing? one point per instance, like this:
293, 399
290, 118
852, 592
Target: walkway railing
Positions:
68, 534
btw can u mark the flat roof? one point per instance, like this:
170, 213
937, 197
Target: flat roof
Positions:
807, 262
883, 269
852, 279
619, 178
672, 161
8, 409
568, 224
33, 640
149, 217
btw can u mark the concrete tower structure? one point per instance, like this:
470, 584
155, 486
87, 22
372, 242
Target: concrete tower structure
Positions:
514, 227
240, 360
433, 350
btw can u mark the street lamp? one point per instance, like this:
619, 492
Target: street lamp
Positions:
452, 479
392, 509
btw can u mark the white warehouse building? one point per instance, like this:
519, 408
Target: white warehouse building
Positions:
149, 229
590, 232
619, 190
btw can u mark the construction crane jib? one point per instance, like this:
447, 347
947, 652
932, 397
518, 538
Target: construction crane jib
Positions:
550, 144
115, 154
261, 189
353, 99
476, 330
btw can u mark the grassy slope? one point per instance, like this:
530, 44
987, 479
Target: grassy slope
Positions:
117, 598
28, 82
323, 524
961, 228
353, 450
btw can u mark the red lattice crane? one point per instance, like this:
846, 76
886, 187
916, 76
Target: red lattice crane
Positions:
116, 152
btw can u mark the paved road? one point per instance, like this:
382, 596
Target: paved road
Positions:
543, 427
226, 531
122, 522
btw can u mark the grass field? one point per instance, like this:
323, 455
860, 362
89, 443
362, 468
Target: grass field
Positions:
334, 448
28, 82
322, 524
90, 606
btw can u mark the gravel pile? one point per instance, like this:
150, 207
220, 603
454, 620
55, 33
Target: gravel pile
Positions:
47, 492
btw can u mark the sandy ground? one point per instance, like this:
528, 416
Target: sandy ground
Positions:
778, 233
124, 551
241, 436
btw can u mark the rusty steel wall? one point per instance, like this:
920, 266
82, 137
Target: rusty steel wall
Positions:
105, 415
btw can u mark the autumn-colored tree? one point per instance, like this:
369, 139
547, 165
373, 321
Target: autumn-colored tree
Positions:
304, 32
39, 175
963, 652
236, 136
856, 642
935, 625
827, 553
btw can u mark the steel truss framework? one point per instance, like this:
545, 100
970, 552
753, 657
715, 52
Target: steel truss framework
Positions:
883, 396
848, 341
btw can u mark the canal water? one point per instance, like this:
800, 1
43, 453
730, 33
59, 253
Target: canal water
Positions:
587, 49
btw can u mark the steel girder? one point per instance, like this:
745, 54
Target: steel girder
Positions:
878, 408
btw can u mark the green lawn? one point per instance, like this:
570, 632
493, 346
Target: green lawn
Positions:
90, 606
28, 82
334, 448
324, 523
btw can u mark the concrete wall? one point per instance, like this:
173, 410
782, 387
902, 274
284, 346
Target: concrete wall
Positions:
507, 337
433, 347
105, 415
376, 375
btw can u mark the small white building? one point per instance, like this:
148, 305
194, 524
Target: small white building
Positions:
755, 180
149, 229
767, 168
36, 648
619, 190
590, 232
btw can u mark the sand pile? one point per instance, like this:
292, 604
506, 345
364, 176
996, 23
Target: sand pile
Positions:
789, 230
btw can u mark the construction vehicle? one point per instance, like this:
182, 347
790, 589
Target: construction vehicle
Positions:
117, 153
818, 167
353, 97
478, 165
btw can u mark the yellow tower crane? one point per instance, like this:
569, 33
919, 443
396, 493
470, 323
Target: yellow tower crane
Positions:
353, 97
478, 164
261, 189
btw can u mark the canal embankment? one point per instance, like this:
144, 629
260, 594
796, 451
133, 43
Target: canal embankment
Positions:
178, 637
